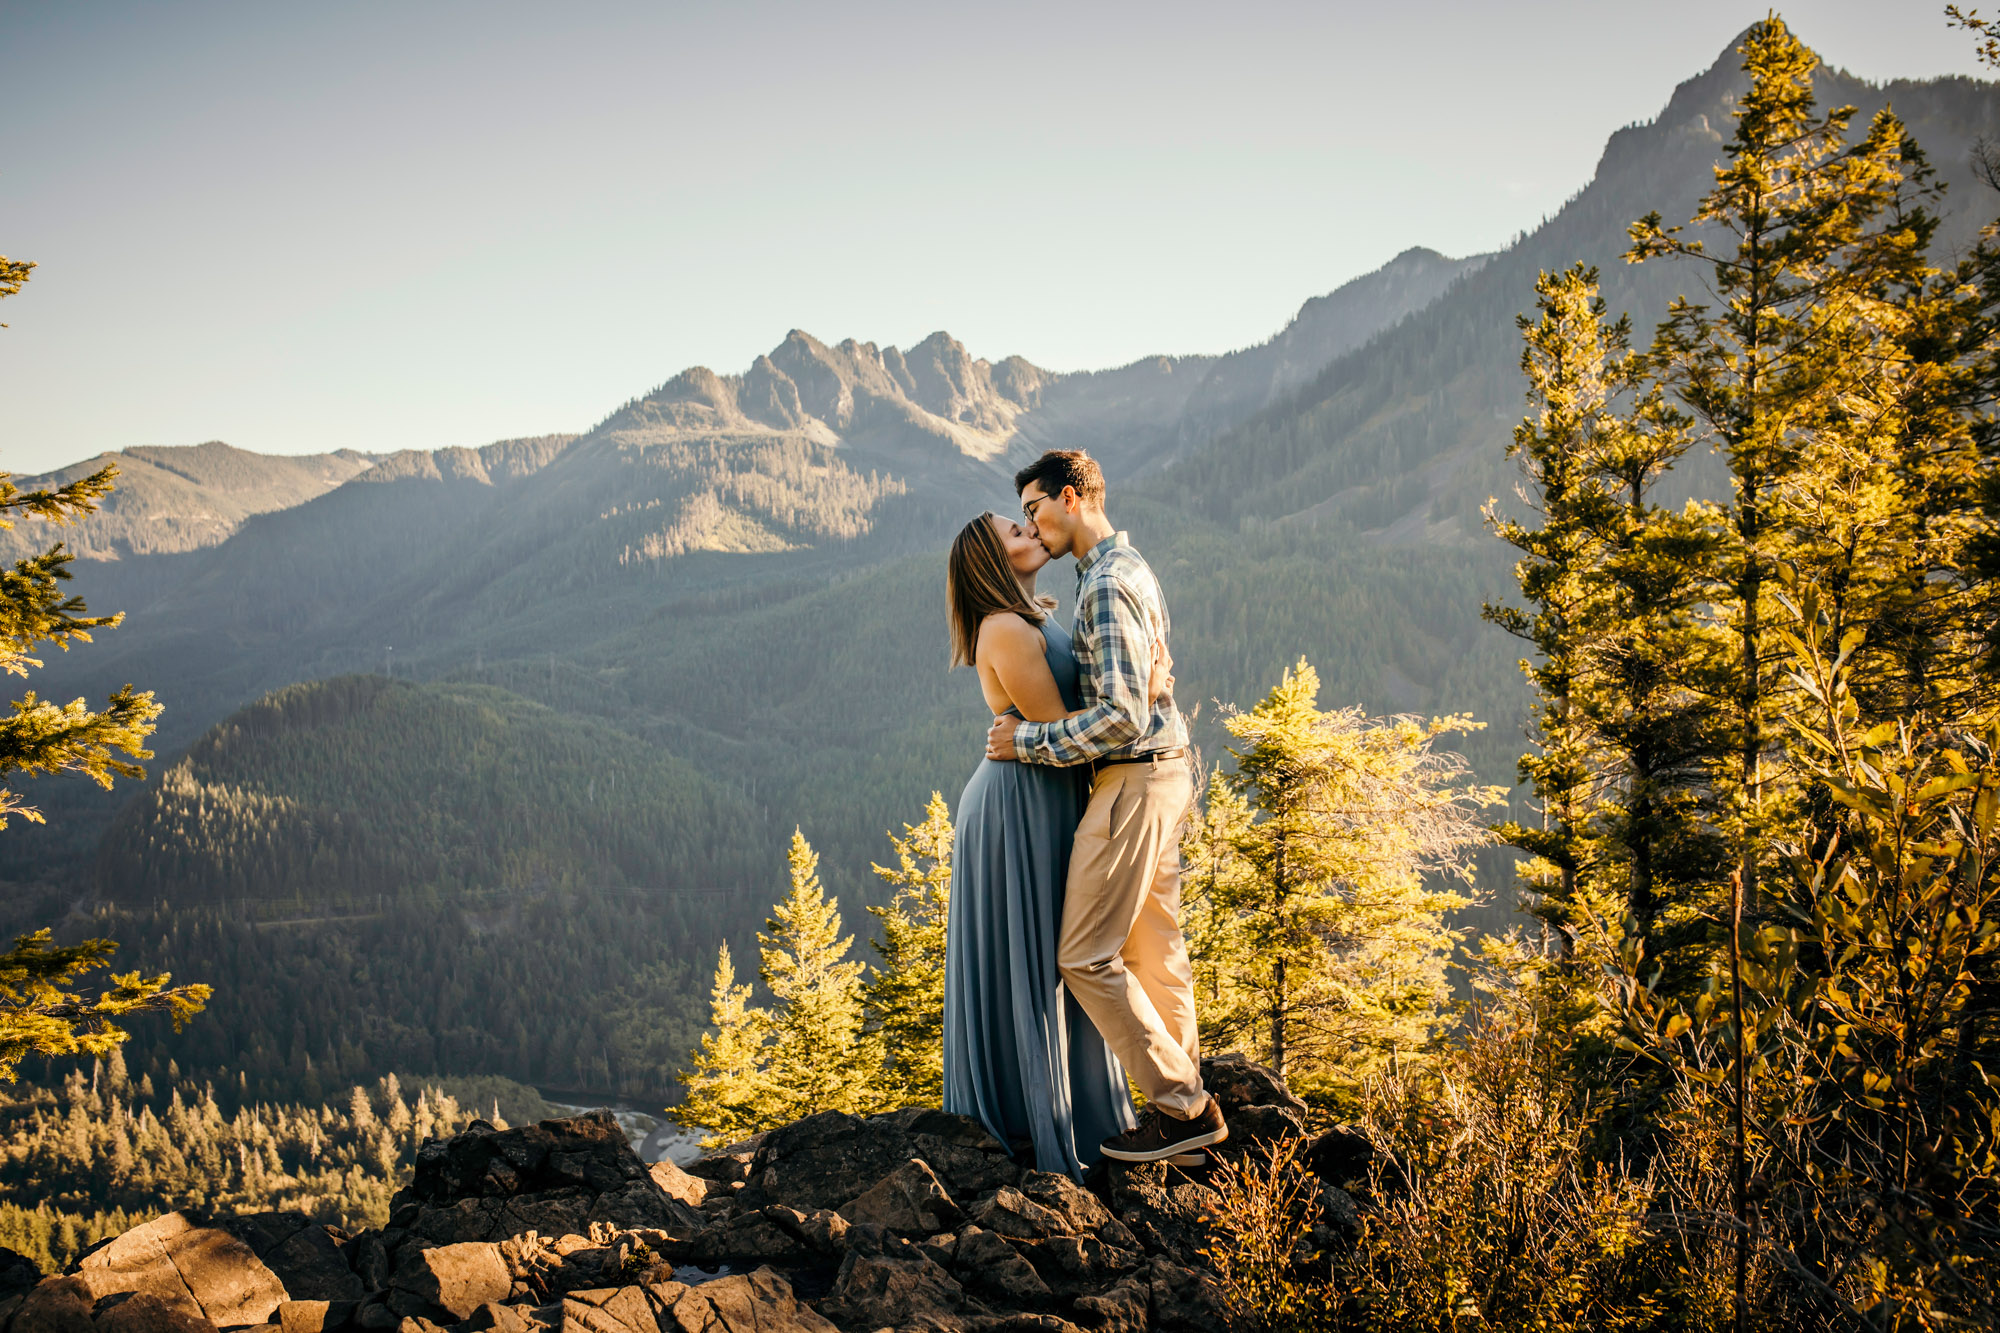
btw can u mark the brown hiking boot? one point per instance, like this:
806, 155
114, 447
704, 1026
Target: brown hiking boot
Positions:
1160, 1135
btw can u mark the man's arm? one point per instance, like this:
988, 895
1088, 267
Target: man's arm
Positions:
1122, 641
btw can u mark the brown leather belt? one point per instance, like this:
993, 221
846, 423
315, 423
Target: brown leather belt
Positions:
1150, 757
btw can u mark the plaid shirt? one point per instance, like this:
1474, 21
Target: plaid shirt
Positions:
1119, 615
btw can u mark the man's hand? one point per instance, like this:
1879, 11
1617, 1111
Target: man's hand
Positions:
1000, 737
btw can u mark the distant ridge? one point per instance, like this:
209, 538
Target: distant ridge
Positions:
175, 498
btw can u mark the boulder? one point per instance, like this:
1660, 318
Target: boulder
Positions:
1125, 1307
1012, 1213
456, 1278
608, 1310
827, 1159
1084, 1212
1342, 1157
872, 1291
729, 1165
55, 1305
304, 1254
198, 1269
1260, 1126
986, 1263
17, 1272
315, 1316
556, 1177
758, 1302
1184, 1300
1165, 1207
909, 1199
679, 1185
143, 1312
1074, 1265
1236, 1082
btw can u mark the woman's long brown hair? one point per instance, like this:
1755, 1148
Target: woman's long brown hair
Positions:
978, 582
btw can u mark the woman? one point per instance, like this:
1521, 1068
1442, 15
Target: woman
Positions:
1020, 1056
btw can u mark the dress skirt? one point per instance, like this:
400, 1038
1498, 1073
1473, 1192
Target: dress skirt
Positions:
1020, 1055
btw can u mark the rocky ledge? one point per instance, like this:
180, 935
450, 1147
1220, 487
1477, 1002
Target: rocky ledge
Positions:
916, 1220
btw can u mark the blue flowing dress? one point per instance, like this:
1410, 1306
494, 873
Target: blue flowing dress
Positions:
1020, 1055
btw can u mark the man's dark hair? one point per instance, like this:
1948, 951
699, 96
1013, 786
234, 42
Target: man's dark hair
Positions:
1065, 467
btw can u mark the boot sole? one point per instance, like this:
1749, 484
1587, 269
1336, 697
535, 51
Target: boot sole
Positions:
1186, 1145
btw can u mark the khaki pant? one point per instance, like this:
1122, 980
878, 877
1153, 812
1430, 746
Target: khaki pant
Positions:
1121, 951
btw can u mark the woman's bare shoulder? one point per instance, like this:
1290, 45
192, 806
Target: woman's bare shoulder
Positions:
1007, 628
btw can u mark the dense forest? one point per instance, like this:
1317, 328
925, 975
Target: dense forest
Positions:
91, 1155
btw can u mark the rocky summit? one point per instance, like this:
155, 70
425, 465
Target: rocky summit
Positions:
912, 1221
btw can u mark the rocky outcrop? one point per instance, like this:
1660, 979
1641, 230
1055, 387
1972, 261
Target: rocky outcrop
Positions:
911, 1221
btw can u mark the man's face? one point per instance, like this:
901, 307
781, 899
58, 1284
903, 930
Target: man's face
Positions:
1047, 517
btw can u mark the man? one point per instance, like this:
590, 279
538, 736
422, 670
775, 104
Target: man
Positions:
1120, 949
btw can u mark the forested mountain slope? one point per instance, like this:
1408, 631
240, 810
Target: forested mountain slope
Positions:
1404, 439
174, 498
743, 576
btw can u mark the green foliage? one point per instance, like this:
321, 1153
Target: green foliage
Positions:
39, 1013
1322, 945
905, 994
1813, 1048
725, 1081
95, 1155
805, 1052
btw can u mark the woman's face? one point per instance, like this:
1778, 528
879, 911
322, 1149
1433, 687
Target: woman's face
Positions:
1024, 553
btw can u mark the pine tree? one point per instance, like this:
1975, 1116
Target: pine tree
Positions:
1214, 878
724, 1080
819, 1054
1344, 943
38, 1011
905, 996
1819, 228
1575, 365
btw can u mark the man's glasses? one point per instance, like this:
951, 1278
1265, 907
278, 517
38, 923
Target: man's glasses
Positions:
1028, 506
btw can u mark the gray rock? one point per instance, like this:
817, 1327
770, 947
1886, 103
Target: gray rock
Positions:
1184, 1300
986, 1263
55, 1305
609, 1310
910, 1199
201, 1270
679, 1185
1257, 1126
143, 1312
1126, 1307
1168, 1210
315, 1316
457, 1278
17, 1272
827, 1159
872, 1291
1236, 1082
1077, 1264
1012, 1213
758, 1302
1084, 1211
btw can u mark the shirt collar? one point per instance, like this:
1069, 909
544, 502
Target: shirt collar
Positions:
1102, 549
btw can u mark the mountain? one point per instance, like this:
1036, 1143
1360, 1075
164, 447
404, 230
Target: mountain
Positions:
1403, 440
1326, 328
744, 573
174, 498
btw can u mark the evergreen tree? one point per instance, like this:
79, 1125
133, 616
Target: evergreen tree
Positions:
819, 1055
1343, 942
38, 1011
1574, 363
904, 998
1214, 878
724, 1080
1819, 228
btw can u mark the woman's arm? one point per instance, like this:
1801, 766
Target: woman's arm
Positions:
1016, 653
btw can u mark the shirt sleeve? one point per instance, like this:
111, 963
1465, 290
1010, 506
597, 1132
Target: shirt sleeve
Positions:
1124, 663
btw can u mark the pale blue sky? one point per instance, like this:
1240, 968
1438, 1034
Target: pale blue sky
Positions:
302, 227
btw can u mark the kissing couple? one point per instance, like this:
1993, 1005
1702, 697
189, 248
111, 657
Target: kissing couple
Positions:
1064, 962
